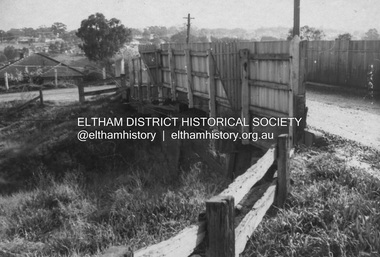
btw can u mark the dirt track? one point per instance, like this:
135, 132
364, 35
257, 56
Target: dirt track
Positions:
345, 114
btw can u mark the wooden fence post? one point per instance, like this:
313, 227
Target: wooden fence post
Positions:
244, 62
41, 98
81, 93
211, 83
140, 80
55, 77
220, 226
132, 79
283, 172
6, 81
173, 77
123, 86
189, 78
158, 74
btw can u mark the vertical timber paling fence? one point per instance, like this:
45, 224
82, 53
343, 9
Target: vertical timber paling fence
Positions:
227, 233
343, 62
240, 79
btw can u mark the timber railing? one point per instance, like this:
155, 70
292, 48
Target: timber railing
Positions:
24, 105
228, 233
120, 87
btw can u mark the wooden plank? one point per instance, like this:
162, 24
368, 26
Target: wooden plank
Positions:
266, 84
261, 111
41, 97
220, 226
244, 63
139, 84
81, 93
270, 56
250, 222
211, 84
132, 78
182, 244
99, 92
283, 172
173, 78
178, 53
158, 74
242, 184
27, 103
189, 79
199, 54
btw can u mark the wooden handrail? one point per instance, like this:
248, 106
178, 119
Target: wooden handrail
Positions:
220, 212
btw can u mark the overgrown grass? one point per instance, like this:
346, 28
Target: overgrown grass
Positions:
72, 198
333, 210
71, 217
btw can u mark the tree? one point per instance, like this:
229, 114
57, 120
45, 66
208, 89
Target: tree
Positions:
54, 47
102, 38
308, 33
29, 32
58, 28
3, 58
345, 36
10, 52
371, 34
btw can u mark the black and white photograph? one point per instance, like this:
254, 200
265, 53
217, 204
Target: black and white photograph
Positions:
173, 128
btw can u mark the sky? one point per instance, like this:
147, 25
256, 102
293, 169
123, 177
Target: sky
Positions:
347, 15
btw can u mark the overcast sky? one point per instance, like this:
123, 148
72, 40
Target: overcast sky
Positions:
347, 15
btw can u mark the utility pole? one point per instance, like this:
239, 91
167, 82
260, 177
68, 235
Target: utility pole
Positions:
188, 28
296, 24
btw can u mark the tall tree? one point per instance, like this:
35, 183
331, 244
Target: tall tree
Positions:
308, 33
58, 28
10, 52
345, 36
372, 34
102, 38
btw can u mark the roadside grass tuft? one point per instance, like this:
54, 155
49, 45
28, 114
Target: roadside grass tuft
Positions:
333, 210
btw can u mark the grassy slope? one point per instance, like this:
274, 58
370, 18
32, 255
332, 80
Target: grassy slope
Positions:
83, 197
72, 198
333, 209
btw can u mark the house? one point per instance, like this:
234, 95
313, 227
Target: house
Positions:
39, 65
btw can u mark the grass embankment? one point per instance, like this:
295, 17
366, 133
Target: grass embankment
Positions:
74, 198
84, 197
333, 209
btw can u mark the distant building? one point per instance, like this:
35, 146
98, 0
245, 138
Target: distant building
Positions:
46, 68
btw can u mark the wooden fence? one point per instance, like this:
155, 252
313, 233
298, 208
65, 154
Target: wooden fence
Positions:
120, 87
227, 233
241, 79
343, 62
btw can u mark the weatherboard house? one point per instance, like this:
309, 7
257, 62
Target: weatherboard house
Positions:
40, 66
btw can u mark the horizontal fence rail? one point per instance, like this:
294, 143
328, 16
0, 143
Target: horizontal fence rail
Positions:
227, 234
119, 88
240, 79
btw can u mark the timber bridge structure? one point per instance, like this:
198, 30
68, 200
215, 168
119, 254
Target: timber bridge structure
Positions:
228, 80
239, 79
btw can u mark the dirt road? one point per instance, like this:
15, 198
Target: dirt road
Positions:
345, 114
66, 94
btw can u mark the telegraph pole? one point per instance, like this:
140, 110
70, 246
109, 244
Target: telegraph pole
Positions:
296, 24
188, 28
